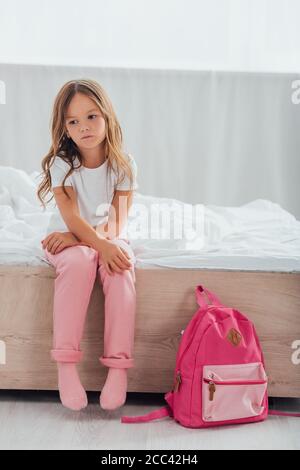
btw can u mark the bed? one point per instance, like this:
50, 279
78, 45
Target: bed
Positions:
250, 258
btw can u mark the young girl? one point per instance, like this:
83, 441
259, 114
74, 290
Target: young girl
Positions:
85, 169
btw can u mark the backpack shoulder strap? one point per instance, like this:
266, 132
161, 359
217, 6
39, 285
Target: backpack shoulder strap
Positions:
156, 414
283, 413
166, 411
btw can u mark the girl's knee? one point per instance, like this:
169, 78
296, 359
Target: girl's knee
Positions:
84, 255
78, 257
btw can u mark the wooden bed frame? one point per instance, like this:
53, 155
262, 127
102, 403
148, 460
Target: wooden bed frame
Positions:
165, 304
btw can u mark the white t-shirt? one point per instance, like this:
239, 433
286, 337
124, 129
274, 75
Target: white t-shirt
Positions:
94, 188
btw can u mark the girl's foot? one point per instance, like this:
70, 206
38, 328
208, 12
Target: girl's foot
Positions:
113, 394
72, 393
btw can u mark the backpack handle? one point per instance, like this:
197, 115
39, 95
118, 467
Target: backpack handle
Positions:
199, 291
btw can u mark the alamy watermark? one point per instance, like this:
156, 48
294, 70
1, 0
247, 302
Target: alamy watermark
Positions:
2, 92
296, 94
157, 221
2, 352
296, 353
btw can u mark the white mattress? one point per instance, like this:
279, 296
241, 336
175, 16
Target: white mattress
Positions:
257, 236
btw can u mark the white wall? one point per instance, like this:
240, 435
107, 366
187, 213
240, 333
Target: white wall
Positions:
193, 34
222, 138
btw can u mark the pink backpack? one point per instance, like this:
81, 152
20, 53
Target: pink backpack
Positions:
220, 375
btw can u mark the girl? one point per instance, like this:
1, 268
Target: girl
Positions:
85, 169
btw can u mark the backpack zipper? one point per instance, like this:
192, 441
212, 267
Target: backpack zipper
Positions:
212, 390
178, 381
178, 376
212, 385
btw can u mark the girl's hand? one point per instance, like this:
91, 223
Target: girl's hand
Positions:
57, 241
115, 258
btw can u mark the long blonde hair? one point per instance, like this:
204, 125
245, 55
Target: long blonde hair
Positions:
66, 148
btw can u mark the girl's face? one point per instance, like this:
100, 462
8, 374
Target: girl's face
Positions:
83, 119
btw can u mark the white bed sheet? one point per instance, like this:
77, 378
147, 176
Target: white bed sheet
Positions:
259, 235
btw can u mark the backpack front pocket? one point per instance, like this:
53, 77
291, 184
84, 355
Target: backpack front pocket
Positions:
233, 391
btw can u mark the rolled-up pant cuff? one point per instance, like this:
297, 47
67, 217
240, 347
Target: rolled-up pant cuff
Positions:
66, 355
117, 363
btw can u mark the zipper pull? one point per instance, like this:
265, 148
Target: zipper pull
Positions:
212, 390
177, 381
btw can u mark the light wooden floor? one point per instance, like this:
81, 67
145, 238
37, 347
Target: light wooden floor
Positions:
37, 420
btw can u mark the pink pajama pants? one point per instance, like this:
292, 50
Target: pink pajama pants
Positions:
76, 268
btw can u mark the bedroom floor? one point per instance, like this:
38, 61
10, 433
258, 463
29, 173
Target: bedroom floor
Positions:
36, 420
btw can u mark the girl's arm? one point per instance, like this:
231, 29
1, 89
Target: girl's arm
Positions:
101, 229
75, 223
118, 214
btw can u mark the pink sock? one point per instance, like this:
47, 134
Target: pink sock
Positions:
72, 393
114, 391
